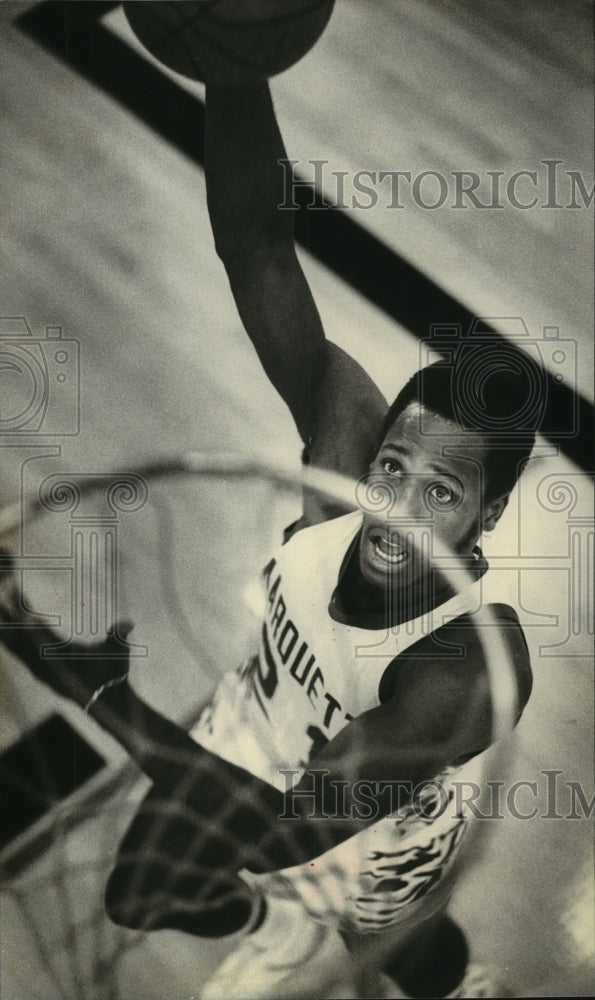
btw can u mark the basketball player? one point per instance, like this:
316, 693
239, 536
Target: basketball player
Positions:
317, 795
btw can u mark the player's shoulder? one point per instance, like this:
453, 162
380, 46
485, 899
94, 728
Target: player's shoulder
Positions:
452, 660
326, 532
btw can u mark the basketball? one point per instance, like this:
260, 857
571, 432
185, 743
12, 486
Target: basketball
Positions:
229, 41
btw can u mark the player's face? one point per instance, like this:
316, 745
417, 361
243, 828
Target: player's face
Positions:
427, 478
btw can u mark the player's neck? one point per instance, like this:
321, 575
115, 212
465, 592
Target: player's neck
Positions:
375, 607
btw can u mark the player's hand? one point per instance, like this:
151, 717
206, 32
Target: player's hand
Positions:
75, 671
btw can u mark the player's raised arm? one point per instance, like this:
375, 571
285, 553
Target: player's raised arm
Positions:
336, 406
254, 238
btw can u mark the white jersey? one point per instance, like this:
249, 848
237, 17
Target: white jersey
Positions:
310, 676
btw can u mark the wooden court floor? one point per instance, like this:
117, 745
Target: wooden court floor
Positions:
105, 234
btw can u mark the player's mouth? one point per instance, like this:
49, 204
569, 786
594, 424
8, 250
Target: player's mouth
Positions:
387, 551
383, 553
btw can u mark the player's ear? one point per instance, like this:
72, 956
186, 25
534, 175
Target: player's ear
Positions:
493, 511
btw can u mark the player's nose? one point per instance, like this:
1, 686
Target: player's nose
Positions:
382, 496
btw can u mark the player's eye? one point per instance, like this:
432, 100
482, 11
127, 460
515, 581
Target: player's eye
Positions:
391, 467
441, 495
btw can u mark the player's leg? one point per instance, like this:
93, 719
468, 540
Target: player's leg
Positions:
290, 956
425, 957
173, 872
434, 962
421, 959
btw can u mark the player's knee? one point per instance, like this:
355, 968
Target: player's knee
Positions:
137, 895
124, 906
142, 897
